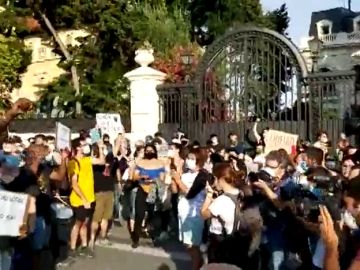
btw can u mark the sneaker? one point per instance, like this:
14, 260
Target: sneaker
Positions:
82, 251
90, 253
164, 236
105, 242
72, 254
135, 245
66, 263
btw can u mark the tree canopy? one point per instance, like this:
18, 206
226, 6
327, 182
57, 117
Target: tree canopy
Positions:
116, 29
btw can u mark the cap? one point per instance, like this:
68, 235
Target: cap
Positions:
9, 167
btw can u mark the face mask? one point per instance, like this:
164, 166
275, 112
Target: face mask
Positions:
190, 164
51, 147
9, 169
53, 159
88, 141
349, 220
214, 141
302, 167
149, 155
171, 153
86, 149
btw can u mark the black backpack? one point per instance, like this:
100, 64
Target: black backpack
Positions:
247, 228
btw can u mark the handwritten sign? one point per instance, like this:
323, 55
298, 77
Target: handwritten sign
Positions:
109, 123
63, 136
12, 212
276, 140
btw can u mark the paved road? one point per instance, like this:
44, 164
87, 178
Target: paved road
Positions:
121, 256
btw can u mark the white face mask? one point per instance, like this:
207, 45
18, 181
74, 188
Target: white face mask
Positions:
349, 220
86, 149
51, 147
190, 164
171, 153
88, 140
54, 158
7, 147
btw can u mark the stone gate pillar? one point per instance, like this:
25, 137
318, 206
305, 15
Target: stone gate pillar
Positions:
144, 97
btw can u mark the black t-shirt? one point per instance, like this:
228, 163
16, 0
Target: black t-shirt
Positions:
25, 182
103, 180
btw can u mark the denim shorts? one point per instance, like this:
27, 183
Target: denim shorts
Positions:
40, 238
191, 230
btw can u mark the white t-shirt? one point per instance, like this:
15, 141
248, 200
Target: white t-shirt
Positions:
224, 207
190, 208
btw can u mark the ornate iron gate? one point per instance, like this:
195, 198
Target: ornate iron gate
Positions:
249, 73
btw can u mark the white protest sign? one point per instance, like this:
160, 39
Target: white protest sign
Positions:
109, 123
63, 136
12, 212
276, 140
163, 150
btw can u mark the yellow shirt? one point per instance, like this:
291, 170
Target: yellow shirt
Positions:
85, 180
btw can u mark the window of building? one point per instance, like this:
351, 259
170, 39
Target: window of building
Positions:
324, 27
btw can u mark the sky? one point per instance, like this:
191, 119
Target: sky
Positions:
300, 12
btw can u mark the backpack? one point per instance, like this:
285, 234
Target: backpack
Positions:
247, 228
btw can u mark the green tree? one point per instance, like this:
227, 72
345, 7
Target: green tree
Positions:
279, 19
211, 19
117, 28
14, 59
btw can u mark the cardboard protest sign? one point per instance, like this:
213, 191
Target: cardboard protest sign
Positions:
63, 137
276, 140
12, 212
109, 123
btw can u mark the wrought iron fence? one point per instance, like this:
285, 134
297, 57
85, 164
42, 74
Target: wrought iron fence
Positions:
329, 101
334, 101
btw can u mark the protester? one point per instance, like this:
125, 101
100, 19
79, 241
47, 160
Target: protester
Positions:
192, 194
147, 172
233, 208
104, 184
82, 197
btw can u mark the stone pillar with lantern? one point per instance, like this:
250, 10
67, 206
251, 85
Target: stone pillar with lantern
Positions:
143, 94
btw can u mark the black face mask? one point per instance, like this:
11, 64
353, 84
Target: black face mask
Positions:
149, 155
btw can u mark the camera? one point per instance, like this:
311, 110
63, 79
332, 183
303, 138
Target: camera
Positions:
260, 175
322, 192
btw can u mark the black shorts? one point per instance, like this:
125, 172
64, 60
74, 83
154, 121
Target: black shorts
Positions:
82, 214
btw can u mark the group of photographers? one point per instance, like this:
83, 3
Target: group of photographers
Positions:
298, 211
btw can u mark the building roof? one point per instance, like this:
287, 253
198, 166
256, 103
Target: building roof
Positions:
341, 18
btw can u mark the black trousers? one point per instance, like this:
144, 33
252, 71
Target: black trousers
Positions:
141, 206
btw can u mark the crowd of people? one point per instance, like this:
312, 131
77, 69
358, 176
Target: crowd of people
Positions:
232, 200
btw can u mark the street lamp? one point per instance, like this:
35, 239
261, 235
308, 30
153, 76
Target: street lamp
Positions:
187, 58
315, 45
